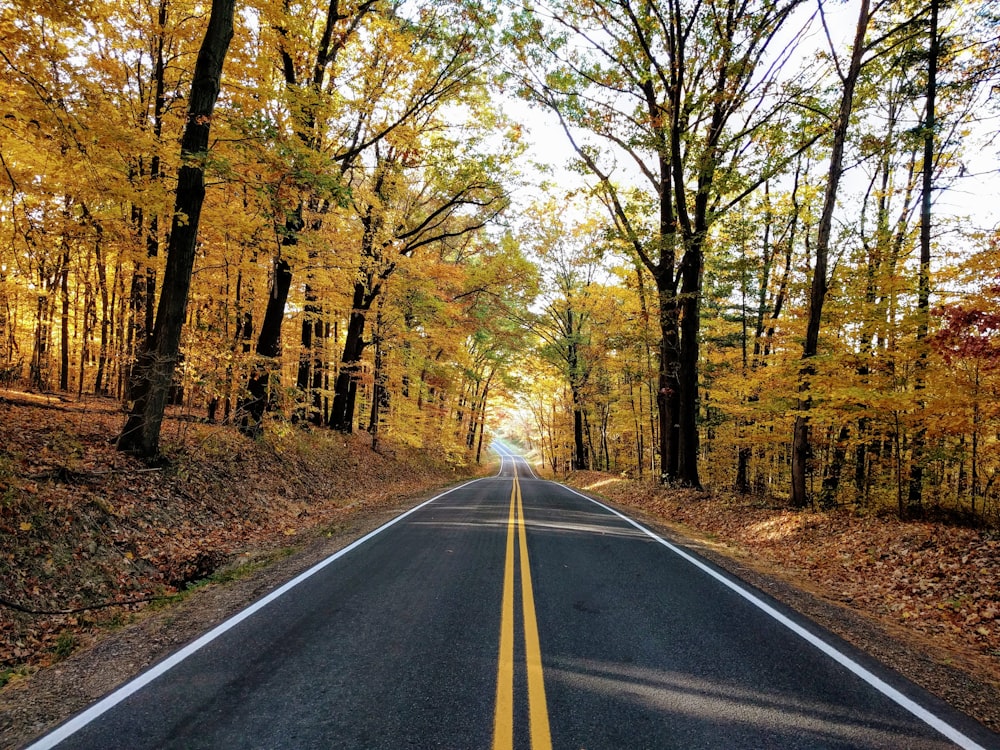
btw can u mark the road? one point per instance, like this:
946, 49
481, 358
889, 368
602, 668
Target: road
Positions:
511, 612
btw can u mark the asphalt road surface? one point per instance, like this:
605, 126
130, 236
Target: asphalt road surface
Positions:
510, 613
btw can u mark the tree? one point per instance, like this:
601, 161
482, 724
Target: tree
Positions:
914, 500
393, 71
423, 195
569, 256
158, 358
675, 87
817, 294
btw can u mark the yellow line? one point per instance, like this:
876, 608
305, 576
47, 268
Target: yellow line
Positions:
503, 716
538, 714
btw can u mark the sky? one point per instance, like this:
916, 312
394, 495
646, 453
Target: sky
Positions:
973, 197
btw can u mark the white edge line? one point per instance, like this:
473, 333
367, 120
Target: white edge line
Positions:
528, 467
512, 456
838, 656
84, 718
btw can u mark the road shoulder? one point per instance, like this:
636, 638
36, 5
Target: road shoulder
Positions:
953, 675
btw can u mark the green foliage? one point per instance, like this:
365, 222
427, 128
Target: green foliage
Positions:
66, 643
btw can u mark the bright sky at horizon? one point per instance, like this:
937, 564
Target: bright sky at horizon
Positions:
972, 196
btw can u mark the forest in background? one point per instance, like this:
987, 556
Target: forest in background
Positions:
748, 285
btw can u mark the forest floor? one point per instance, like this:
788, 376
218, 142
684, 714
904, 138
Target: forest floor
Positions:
224, 519
923, 598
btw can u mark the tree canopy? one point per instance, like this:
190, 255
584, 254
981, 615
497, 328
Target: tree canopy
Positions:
763, 267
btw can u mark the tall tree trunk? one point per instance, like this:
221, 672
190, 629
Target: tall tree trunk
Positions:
39, 368
668, 385
581, 461
482, 432
481, 410
159, 357
831, 476
914, 500
311, 364
137, 332
817, 295
687, 451
100, 386
380, 394
346, 386
64, 312
159, 104
120, 338
89, 319
252, 407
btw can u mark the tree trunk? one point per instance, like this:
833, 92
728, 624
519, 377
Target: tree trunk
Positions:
64, 313
817, 295
668, 385
39, 367
310, 371
159, 105
689, 401
119, 317
251, 408
914, 500
159, 357
100, 387
831, 477
380, 394
581, 460
743, 484
346, 386
479, 446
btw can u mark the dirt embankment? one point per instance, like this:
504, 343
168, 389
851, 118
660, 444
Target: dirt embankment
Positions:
92, 540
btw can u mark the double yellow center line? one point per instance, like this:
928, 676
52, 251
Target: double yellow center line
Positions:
538, 715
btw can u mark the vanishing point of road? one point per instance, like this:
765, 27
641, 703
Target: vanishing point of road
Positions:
511, 612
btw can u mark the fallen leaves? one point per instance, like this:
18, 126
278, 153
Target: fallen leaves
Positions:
82, 524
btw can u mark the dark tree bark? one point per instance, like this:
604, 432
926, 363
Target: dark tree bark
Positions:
64, 312
831, 475
380, 393
158, 358
801, 451
159, 105
581, 457
346, 386
100, 386
668, 396
914, 499
689, 402
251, 407
311, 362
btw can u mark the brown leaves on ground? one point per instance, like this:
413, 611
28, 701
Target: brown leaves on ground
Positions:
82, 525
937, 581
